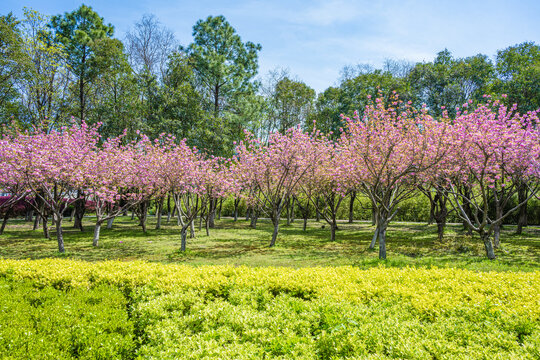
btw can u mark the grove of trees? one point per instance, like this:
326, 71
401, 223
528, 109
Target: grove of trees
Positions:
123, 124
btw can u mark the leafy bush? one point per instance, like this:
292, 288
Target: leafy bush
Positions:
222, 312
46, 323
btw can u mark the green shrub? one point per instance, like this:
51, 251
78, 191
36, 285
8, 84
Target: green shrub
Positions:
47, 323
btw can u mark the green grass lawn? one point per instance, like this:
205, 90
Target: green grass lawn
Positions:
235, 243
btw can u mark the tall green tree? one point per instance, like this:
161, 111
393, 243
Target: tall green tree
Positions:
290, 104
44, 84
449, 82
81, 32
518, 70
225, 66
13, 61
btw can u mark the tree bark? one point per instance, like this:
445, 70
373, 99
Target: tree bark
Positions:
183, 237
79, 209
159, 211
351, 207
168, 208
212, 213
374, 238
110, 223
59, 235
4, 222
236, 203
382, 243
97, 229
45, 223
254, 218
488, 245
275, 233
333, 228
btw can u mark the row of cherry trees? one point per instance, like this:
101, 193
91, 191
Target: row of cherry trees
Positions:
471, 163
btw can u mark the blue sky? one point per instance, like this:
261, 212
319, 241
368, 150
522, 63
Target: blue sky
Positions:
315, 39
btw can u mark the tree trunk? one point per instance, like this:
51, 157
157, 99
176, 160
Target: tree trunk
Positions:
59, 235
220, 207
29, 215
37, 220
374, 238
192, 229
351, 207
490, 251
288, 212
304, 227
143, 208
159, 211
4, 222
212, 213
110, 223
440, 229
169, 208
522, 214
254, 218
333, 227
97, 229
248, 213
45, 223
382, 243
79, 209
236, 203
275, 233
183, 237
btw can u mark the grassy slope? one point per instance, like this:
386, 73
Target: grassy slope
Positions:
236, 244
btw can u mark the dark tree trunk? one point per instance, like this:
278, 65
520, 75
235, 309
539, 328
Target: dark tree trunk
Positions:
143, 214
212, 213
45, 223
219, 209
169, 208
4, 222
288, 212
333, 228
351, 207
236, 203
79, 209
275, 233
248, 213
59, 235
29, 215
317, 213
183, 237
254, 218
382, 242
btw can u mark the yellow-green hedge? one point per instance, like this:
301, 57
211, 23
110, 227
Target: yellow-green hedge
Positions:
224, 312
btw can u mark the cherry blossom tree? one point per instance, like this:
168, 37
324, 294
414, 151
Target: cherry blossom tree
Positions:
274, 169
495, 150
390, 150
